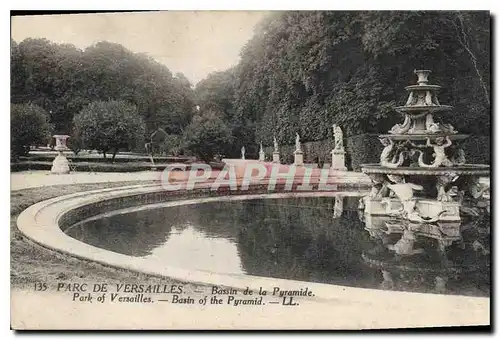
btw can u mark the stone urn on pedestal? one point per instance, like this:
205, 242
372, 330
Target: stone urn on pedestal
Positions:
60, 164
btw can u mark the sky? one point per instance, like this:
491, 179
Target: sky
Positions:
195, 43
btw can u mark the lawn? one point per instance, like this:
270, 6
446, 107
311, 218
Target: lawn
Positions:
32, 263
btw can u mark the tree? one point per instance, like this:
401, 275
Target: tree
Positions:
74, 143
109, 126
301, 72
29, 125
64, 79
171, 145
207, 135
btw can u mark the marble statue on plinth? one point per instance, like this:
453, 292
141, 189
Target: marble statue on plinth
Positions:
276, 153
299, 156
339, 139
338, 153
262, 154
297, 143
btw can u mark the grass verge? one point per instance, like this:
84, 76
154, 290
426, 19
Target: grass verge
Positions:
31, 263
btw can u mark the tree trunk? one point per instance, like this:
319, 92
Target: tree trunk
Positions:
104, 154
115, 151
463, 39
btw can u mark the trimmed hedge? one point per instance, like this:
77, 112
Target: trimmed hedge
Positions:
100, 167
360, 149
477, 149
85, 167
134, 158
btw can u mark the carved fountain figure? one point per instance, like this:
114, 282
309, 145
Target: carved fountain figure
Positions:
422, 174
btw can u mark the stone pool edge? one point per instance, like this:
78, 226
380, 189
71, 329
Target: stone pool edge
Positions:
40, 224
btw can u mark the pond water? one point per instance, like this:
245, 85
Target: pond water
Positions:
315, 239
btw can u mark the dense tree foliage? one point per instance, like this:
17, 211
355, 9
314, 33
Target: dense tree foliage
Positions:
108, 126
29, 125
207, 136
304, 71
301, 72
64, 79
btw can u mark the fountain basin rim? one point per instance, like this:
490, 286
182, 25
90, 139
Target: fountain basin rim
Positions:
422, 87
422, 136
466, 169
40, 223
418, 109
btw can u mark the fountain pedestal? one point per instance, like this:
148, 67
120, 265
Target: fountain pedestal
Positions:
60, 165
422, 175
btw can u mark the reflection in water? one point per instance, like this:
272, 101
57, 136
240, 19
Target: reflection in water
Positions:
338, 208
438, 257
317, 239
205, 252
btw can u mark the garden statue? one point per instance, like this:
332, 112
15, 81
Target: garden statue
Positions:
298, 154
297, 143
339, 142
262, 154
338, 153
276, 153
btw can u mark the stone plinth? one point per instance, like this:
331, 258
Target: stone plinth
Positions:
60, 165
299, 158
262, 156
338, 160
276, 157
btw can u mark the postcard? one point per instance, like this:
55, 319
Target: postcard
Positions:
250, 170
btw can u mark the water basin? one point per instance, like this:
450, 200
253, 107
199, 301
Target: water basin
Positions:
312, 239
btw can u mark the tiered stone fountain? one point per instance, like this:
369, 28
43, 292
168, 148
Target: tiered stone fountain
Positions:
422, 175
